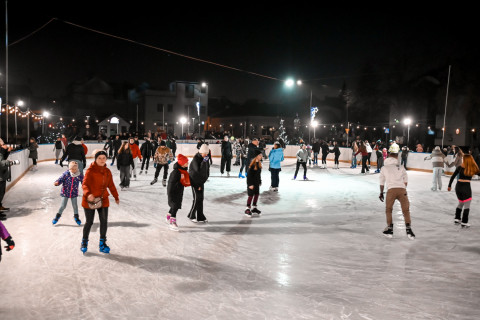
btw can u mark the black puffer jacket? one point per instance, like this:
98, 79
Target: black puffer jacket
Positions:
226, 149
198, 171
75, 151
125, 159
146, 149
5, 173
175, 188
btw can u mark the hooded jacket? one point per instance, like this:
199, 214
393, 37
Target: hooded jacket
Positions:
275, 156
393, 174
302, 155
70, 184
199, 171
437, 157
135, 150
175, 187
96, 181
75, 151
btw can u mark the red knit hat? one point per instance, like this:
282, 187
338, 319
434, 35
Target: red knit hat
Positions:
181, 159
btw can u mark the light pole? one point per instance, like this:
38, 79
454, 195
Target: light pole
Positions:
183, 120
314, 124
408, 121
46, 114
18, 103
193, 127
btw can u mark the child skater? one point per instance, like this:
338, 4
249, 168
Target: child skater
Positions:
69, 180
463, 189
178, 180
7, 238
254, 180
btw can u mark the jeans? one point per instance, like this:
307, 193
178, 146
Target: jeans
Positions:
315, 158
63, 205
437, 178
354, 160
404, 163
125, 174
244, 163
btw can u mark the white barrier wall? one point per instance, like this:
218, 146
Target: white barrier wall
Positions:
46, 153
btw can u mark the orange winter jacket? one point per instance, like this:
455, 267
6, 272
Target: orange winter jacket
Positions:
97, 179
85, 149
135, 151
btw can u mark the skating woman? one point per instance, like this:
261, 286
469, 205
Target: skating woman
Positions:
97, 179
276, 157
124, 162
243, 158
32, 147
178, 180
363, 150
135, 153
254, 181
302, 156
162, 158
463, 189
70, 181
336, 153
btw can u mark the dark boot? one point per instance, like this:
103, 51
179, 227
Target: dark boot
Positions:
458, 215
465, 217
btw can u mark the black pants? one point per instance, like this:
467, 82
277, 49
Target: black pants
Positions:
89, 215
336, 159
34, 161
226, 161
304, 165
3, 187
165, 170
196, 212
324, 158
368, 158
147, 160
364, 164
275, 177
115, 155
173, 212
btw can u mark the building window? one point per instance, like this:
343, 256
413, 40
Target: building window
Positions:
160, 107
170, 108
203, 89
202, 109
189, 91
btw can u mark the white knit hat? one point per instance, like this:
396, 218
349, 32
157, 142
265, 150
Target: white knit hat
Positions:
204, 149
394, 148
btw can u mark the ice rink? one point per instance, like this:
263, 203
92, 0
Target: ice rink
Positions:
316, 252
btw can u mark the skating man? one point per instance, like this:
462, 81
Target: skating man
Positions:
199, 171
395, 176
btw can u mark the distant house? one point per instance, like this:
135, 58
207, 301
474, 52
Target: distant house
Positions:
113, 125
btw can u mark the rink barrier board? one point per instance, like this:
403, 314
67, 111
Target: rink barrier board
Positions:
45, 153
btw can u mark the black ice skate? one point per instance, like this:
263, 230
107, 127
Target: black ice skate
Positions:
164, 182
255, 210
410, 233
153, 181
248, 212
388, 232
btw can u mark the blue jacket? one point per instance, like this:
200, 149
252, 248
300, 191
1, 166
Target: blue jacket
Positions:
275, 156
69, 184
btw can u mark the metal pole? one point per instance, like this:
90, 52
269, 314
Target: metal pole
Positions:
15, 110
446, 99
28, 124
137, 120
408, 134
163, 123
6, 66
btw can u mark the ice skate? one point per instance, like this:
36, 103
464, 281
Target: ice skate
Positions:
456, 221
135, 176
146, 172
167, 219
84, 246
305, 178
465, 225
295, 177
57, 217
388, 232
410, 233
275, 189
173, 224
241, 176
271, 188
141, 171
255, 210
164, 182
77, 219
153, 181
248, 212
102, 246
228, 174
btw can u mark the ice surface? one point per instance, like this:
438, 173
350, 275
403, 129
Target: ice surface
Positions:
316, 252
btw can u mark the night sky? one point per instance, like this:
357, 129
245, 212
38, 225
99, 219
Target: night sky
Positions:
322, 47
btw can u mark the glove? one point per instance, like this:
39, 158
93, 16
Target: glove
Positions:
381, 197
61, 164
206, 159
169, 162
10, 243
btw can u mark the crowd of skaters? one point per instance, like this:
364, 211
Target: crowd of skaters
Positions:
249, 155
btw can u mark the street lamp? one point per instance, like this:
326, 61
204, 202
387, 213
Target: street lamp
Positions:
46, 114
193, 127
407, 122
183, 120
314, 125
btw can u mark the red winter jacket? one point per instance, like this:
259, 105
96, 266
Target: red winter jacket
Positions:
97, 179
135, 151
